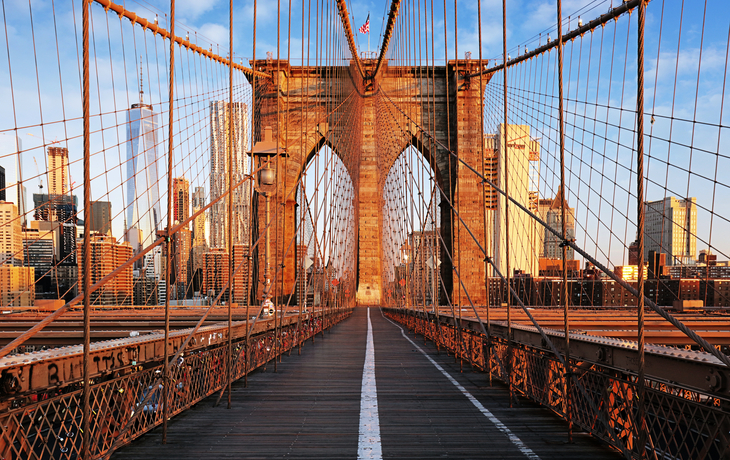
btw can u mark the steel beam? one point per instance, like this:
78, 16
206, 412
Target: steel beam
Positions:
152, 26
625, 7
345, 18
693, 370
392, 16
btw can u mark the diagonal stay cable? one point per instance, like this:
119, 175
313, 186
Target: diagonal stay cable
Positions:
60, 311
155, 385
661, 312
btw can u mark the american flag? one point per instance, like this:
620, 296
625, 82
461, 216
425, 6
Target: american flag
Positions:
365, 29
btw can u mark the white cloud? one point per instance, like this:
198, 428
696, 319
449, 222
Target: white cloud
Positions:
217, 34
713, 59
192, 9
265, 10
542, 14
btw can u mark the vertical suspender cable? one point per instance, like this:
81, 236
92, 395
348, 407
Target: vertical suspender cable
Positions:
488, 354
452, 189
87, 218
229, 370
313, 315
284, 305
432, 111
458, 187
640, 224
563, 203
253, 140
277, 82
301, 202
286, 166
168, 246
504, 170
315, 220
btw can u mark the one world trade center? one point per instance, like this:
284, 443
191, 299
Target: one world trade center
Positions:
142, 207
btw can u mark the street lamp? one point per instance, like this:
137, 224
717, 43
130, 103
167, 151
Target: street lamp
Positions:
406, 256
265, 184
433, 264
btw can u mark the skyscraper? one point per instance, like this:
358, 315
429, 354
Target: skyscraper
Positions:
220, 157
199, 221
11, 237
241, 278
550, 210
101, 217
60, 212
180, 199
106, 255
2, 184
182, 238
199, 244
425, 262
180, 262
302, 266
215, 276
671, 229
16, 286
38, 252
142, 206
512, 173
58, 181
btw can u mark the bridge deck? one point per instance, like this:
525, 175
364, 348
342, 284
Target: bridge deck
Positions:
311, 408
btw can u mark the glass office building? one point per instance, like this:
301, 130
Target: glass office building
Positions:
142, 207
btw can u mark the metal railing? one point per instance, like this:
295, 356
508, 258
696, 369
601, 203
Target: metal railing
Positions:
684, 418
126, 402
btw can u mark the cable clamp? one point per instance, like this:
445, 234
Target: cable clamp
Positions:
566, 242
164, 234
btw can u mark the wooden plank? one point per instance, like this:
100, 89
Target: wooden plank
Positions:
310, 409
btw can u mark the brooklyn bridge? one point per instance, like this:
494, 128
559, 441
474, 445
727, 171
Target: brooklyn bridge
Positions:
500, 233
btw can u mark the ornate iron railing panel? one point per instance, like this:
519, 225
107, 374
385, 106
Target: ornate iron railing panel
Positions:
682, 420
47, 424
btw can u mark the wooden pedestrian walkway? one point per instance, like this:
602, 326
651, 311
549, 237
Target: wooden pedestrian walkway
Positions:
311, 408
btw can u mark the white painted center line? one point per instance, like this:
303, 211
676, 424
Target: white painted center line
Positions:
498, 423
368, 445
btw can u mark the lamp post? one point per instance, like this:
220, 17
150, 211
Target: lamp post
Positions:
406, 256
266, 179
265, 184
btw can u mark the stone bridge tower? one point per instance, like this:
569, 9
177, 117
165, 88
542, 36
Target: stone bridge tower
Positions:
368, 123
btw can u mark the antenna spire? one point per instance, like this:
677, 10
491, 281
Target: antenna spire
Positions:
141, 82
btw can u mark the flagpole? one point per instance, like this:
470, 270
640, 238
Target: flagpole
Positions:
358, 43
365, 29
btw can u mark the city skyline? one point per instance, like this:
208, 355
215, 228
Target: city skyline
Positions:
612, 252
689, 259
604, 248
